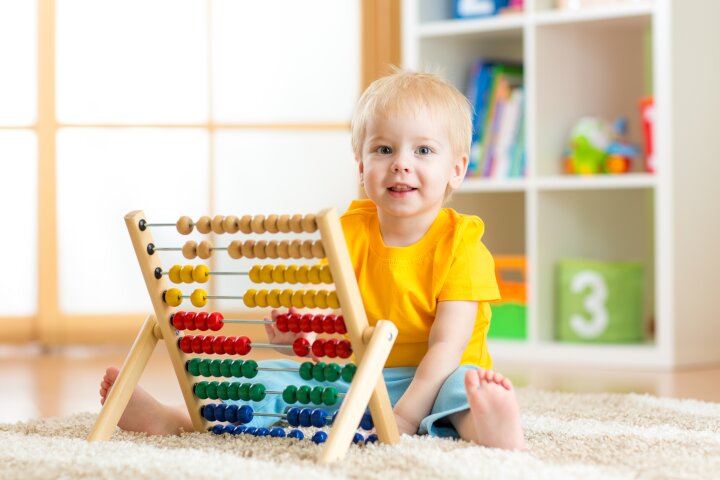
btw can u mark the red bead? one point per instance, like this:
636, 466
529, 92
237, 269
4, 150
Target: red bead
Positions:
242, 345
189, 320
215, 321
306, 323
343, 349
281, 322
207, 345
178, 320
330, 348
340, 325
197, 343
218, 344
301, 347
201, 321
329, 324
318, 347
317, 323
186, 344
294, 322
229, 346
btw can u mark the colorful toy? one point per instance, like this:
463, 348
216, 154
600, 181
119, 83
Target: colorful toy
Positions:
509, 314
597, 148
370, 345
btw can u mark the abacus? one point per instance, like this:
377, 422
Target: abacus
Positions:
370, 345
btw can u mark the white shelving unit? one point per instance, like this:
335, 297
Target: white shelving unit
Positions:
601, 61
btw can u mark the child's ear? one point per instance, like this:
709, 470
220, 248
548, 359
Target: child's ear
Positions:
360, 170
459, 170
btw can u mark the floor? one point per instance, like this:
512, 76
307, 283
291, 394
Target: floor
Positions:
37, 384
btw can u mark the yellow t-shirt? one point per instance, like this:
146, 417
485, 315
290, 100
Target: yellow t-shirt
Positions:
405, 284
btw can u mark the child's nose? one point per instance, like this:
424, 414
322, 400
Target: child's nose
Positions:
400, 165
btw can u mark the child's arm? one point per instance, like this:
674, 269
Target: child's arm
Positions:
449, 336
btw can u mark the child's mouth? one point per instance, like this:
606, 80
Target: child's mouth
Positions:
401, 189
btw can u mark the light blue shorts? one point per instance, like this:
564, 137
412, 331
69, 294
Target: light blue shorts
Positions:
450, 399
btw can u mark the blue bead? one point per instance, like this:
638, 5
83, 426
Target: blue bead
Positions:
218, 429
293, 417
366, 423
305, 415
220, 412
239, 429
229, 429
250, 430
244, 414
358, 438
208, 411
371, 438
295, 433
277, 432
318, 418
231, 413
262, 432
319, 437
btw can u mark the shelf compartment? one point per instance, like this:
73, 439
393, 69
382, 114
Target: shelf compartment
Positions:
597, 182
610, 15
477, 28
478, 184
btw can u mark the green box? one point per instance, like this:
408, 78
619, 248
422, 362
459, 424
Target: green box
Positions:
508, 321
600, 302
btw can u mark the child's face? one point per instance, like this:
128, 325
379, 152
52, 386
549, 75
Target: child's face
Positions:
407, 164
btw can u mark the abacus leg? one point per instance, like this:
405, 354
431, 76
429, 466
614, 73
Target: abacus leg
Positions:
364, 385
126, 382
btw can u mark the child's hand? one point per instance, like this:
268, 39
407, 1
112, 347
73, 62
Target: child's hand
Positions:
277, 337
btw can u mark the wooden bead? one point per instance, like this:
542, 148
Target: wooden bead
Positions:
309, 299
321, 299
284, 249
174, 274
302, 274
259, 249
284, 223
318, 250
184, 225
296, 223
273, 298
249, 298
203, 224
198, 298
291, 274
309, 224
186, 274
314, 274
254, 274
235, 249
258, 224
204, 249
306, 249
294, 248
278, 273
286, 298
297, 298
325, 274
261, 298
332, 300
266, 274
217, 224
245, 224
247, 249
271, 223
231, 224
189, 250
272, 249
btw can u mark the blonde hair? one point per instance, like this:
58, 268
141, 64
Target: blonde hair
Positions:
407, 92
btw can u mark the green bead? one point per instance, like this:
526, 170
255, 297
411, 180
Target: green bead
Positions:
244, 392
290, 394
236, 368
250, 369
233, 391
257, 392
348, 372
303, 394
332, 372
215, 368
193, 366
201, 390
319, 371
225, 368
330, 396
222, 391
316, 395
212, 390
204, 367
306, 370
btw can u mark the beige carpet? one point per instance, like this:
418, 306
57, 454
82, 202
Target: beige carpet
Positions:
569, 436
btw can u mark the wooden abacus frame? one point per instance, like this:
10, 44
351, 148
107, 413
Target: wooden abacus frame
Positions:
371, 346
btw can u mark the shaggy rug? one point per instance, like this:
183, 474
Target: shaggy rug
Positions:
584, 436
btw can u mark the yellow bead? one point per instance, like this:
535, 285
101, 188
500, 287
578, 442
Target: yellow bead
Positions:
186, 274
266, 273
255, 274
261, 298
278, 274
249, 298
198, 298
273, 298
174, 274
297, 299
286, 298
321, 299
290, 274
201, 273
173, 297
302, 274
314, 274
325, 274
332, 300
309, 299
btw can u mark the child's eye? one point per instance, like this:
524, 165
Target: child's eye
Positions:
384, 150
424, 150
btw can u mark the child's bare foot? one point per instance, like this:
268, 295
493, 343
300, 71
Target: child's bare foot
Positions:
494, 409
143, 412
